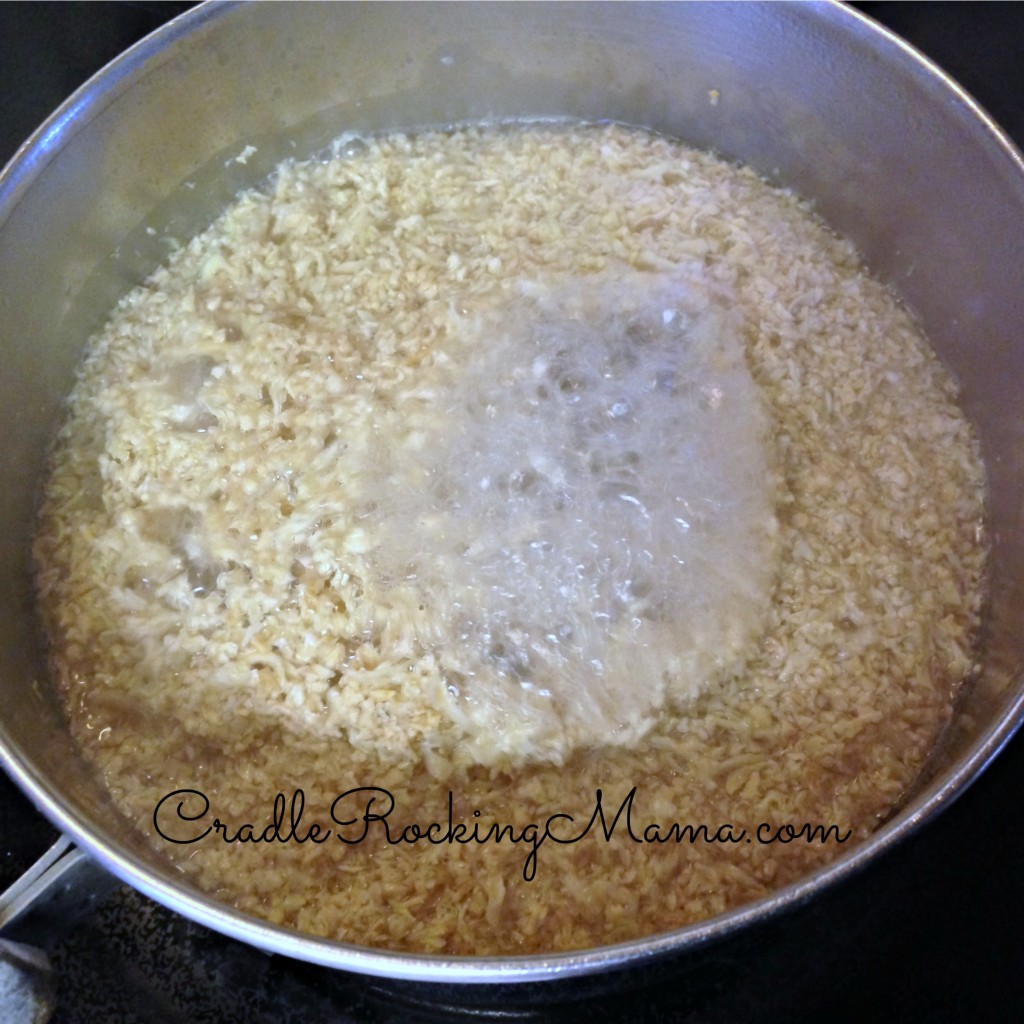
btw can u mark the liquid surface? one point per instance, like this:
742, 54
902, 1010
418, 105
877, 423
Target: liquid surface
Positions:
264, 525
575, 509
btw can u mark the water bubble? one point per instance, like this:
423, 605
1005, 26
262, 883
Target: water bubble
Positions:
353, 147
665, 381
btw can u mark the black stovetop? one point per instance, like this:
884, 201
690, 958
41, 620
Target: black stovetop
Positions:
931, 932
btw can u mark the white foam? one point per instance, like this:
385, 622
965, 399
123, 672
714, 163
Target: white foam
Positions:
582, 511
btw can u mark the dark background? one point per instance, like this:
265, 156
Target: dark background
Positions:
932, 932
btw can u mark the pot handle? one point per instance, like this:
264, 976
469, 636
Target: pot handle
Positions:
56, 892
61, 888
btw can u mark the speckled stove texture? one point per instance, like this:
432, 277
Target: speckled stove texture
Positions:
930, 933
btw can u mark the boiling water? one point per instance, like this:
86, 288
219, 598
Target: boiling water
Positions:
577, 505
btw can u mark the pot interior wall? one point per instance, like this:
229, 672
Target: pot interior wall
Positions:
812, 97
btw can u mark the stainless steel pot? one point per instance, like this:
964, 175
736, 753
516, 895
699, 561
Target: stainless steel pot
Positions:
812, 95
